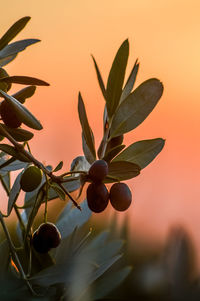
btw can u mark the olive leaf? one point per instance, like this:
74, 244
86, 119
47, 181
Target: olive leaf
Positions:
14, 48
122, 170
87, 132
88, 155
6, 60
22, 113
24, 93
99, 77
13, 31
70, 219
136, 107
58, 167
10, 150
14, 193
5, 181
58, 190
107, 284
116, 78
39, 199
12, 164
141, 152
24, 80
18, 134
130, 82
113, 152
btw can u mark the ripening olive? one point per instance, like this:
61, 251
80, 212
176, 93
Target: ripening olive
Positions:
98, 170
3, 85
97, 197
47, 236
31, 178
120, 196
8, 115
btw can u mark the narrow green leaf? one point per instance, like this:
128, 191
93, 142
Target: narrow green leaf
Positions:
22, 113
58, 167
10, 150
88, 155
14, 193
16, 47
70, 219
130, 82
24, 80
24, 93
136, 107
12, 164
6, 60
79, 163
39, 199
58, 190
104, 267
113, 152
18, 134
5, 181
87, 132
99, 77
108, 283
141, 152
13, 31
116, 78
122, 170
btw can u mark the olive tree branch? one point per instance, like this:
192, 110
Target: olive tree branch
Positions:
19, 147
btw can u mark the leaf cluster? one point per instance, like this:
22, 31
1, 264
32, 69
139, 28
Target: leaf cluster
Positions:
79, 262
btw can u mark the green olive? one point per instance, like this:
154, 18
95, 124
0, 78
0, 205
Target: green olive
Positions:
31, 178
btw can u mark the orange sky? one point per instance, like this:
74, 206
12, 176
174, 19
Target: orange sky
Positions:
164, 36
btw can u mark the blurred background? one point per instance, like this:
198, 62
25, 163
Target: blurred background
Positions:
164, 36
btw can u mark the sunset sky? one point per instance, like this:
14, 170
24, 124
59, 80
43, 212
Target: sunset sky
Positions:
164, 36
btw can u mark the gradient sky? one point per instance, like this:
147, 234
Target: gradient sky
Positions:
164, 36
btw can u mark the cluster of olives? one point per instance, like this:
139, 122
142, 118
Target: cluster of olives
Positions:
46, 237
97, 194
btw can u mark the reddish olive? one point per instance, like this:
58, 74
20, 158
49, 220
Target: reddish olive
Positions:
97, 197
8, 115
120, 196
98, 171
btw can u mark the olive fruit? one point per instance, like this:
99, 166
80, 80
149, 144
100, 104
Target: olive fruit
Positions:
8, 115
97, 197
98, 170
120, 196
47, 236
3, 85
31, 178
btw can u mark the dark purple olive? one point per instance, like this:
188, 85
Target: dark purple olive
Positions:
47, 236
97, 197
8, 115
39, 244
98, 171
120, 196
